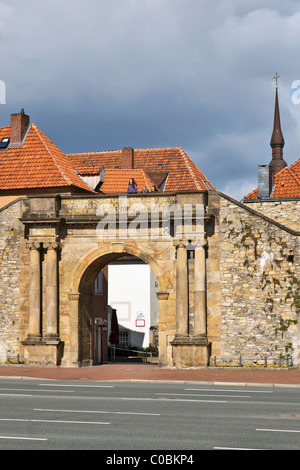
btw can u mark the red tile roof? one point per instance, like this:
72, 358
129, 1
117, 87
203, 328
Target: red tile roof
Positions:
181, 172
286, 183
116, 181
37, 163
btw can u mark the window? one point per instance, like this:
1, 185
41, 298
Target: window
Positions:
4, 143
123, 338
99, 283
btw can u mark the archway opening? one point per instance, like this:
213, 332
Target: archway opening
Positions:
126, 283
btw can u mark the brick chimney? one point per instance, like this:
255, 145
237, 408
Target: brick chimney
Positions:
127, 158
19, 123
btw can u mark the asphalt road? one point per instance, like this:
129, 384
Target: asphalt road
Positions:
67, 415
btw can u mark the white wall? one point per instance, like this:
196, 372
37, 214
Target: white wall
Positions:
130, 292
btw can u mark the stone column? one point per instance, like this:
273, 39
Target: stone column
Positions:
51, 317
34, 329
200, 321
73, 358
162, 327
182, 302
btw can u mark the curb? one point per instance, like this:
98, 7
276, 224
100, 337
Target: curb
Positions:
191, 382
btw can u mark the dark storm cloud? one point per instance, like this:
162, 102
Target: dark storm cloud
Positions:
103, 74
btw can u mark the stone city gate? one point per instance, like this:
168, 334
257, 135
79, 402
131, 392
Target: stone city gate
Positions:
69, 239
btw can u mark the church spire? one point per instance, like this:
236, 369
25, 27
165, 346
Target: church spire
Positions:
277, 140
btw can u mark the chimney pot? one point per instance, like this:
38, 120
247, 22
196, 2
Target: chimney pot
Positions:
264, 181
19, 123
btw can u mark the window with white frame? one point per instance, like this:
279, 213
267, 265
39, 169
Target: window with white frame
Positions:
123, 338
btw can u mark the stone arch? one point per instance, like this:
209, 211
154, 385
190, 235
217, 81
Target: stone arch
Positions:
89, 265
85, 271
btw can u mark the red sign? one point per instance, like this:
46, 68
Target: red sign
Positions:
140, 322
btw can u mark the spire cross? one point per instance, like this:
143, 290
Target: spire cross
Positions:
276, 77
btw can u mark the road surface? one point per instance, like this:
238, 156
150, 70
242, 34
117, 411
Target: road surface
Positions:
115, 416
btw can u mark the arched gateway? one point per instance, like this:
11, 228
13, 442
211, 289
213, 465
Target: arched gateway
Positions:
71, 238
82, 281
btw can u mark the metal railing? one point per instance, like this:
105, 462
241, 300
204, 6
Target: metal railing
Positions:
11, 359
243, 361
114, 348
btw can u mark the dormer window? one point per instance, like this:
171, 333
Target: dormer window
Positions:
4, 142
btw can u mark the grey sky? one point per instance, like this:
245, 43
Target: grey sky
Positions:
103, 74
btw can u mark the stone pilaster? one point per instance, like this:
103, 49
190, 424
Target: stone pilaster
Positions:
34, 327
190, 351
182, 299
46, 349
163, 328
74, 347
200, 316
51, 317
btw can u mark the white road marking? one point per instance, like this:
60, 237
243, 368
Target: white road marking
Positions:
278, 430
98, 411
235, 448
203, 395
51, 421
33, 390
72, 385
15, 395
24, 438
225, 390
174, 400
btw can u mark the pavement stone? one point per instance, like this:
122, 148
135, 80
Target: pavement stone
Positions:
152, 373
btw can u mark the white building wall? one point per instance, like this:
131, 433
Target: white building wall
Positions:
131, 291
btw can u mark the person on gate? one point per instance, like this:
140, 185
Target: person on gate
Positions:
132, 186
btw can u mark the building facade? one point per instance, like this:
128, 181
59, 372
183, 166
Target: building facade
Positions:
227, 273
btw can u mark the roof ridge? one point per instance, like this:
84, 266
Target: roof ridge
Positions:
289, 170
187, 159
159, 148
118, 151
291, 167
92, 153
295, 176
56, 163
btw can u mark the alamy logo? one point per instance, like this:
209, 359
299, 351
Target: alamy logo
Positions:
296, 93
154, 222
2, 92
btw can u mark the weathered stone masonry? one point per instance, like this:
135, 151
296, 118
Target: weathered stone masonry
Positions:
259, 266
11, 235
236, 292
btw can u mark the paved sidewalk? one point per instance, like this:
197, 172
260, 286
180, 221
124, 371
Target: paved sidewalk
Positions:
151, 373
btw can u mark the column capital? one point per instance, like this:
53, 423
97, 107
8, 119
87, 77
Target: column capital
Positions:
180, 243
162, 295
33, 245
52, 245
200, 243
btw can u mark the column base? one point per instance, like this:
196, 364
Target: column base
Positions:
43, 352
189, 351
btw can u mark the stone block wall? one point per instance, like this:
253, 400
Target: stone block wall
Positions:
284, 212
11, 230
260, 283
